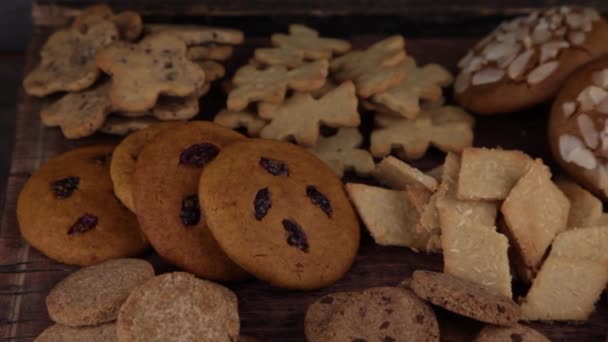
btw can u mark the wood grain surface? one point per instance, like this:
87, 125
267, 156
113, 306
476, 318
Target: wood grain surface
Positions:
267, 313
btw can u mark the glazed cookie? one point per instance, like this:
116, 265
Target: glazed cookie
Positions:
374, 314
529, 58
165, 195
578, 134
59, 333
67, 59
140, 73
67, 210
93, 295
124, 158
179, 307
518, 332
287, 207
129, 23
465, 298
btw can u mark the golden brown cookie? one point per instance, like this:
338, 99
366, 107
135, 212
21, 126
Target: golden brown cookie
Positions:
59, 333
280, 213
529, 58
165, 195
196, 35
68, 211
129, 23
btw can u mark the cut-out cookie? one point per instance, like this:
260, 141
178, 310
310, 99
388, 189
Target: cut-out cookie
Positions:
140, 73
301, 116
448, 128
372, 70
266, 109
197, 35
341, 153
129, 23
420, 85
176, 108
308, 42
117, 125
68, 60
279, 56
213, 70
213, 52
235, 120
271, 84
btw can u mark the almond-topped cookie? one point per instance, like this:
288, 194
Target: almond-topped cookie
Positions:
578, 129
528, 58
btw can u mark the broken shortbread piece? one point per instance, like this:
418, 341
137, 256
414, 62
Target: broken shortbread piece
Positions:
397, 174
489, 174
572, 278
534, 212
585, 208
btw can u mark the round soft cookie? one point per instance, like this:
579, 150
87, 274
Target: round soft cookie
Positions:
125, 156
165, 194
280, 213
525, 60
578, 129
60, 333
67, 210
518, 332
179, 307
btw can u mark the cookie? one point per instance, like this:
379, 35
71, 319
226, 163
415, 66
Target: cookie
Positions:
124, 158
374, 314
67, 59
93, 295
421, 85
397, 174
129, 23
176, 108
577, 129
290, 58
179, 307
301, 116
165, 195
213, 52
250, 121
252, 84
197, 35
59, 333
213, 70
585, 209
287, 207
89, 224
517, 332
341, 152
448, 128
529, 58
140, 73
117, 125
465, 298
374, 69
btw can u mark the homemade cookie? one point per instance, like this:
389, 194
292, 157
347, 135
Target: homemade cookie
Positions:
179, 307
165, 195
67, 59
301, 116
117, 125
397, 174
67, 210
250, 121
124, 158
93, 295
578, 136
341, 152
585, 209
210, 51
176, 108
374, 314
140, 73
287, 207
213, 70
529, 58
517, 332
465, 298
129, 23
197, 35
59, 333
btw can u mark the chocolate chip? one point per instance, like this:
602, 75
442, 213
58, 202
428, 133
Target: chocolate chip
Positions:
385, 325
296, 237
274, 167
191, 213
84, 223
317, 198
63, 188
516, 338
500, 308
388, 311
198, 154
386, 300
261, 203
388, 339
327, 300
419, 318
168, 65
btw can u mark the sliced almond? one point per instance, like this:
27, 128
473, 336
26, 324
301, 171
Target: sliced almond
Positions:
541, 72
583, 158
587, 26
519, 64
565, 10
488, 75
576, 37
600, 78
574, 20
555, 21
591, 96
464, 61
568, 108
567, 143
588, 131
541, 33
497, 50
474, 64
560, 32
462, 81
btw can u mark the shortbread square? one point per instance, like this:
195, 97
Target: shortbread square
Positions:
585, 208
397, 174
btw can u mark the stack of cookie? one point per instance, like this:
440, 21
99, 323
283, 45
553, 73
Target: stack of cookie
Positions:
159, 76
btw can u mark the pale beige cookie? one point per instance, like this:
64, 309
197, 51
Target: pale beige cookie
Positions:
117, 125
176, 108
213, 52
213, 70
585, 209
197, 35
67, 59
141, 73
397, 174
266, 109
271, 84
59, 333
129, 23
373, 70
603, 220
307, 41
518, 332
535, 211
341, 152
251, 122
79, 114
448, 128
301, 116
288, 57
435, 172
420, 85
